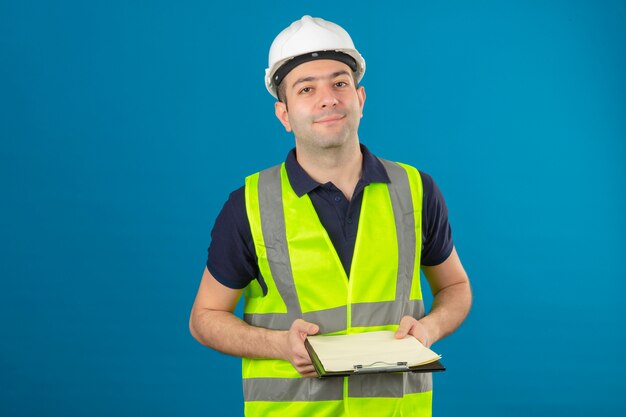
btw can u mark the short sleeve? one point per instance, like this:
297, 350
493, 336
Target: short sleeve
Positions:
437, 241
231, 256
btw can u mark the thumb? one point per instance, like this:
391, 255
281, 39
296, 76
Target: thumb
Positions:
306, 327
312, 328
403, 328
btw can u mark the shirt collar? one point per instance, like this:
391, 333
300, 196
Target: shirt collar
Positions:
302, 183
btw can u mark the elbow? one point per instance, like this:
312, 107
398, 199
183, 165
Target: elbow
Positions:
470, 293
192, 324
468, 298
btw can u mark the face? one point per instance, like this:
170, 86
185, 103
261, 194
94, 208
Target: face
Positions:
324, 107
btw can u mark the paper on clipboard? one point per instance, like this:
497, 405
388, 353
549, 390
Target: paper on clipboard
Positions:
369, 350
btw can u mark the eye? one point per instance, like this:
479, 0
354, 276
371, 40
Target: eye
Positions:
305, 90
341, 84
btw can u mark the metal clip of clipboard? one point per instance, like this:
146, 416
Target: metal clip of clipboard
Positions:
390, 367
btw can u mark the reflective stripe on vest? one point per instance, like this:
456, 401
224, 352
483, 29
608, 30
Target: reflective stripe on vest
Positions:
305, 279
300, 389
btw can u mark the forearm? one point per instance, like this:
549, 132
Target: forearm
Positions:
450, 308
225, 332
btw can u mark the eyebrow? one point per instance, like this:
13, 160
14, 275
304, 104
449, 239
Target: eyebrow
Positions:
329, 77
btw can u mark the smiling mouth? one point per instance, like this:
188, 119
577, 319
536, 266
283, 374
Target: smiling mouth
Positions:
328, 120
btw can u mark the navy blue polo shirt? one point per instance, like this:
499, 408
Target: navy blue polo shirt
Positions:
232, 258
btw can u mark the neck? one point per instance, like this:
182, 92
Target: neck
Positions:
342, 166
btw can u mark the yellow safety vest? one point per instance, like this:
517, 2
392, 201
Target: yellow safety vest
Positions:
305, 279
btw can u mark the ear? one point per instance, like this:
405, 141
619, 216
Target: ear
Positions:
360, 92
280, 109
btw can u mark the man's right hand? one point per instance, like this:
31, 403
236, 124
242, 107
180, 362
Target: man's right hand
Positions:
294, 350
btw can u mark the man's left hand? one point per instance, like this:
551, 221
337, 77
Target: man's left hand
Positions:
411, 326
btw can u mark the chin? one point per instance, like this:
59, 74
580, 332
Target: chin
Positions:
325, 141
331, 143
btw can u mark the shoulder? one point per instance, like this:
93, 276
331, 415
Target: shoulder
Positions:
236, 199
233, 214
429, 187
271, 170
433, 201
236, 203
428, 184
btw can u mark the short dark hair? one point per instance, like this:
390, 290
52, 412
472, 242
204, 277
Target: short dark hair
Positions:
281, 93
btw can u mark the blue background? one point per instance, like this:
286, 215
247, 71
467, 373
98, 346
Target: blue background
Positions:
124, 126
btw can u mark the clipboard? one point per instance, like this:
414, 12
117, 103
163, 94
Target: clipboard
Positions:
372, 368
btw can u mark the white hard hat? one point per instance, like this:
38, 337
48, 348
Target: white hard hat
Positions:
308, 39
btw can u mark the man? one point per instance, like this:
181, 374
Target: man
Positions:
331, 241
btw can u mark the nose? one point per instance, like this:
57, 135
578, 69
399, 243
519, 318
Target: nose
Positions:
328, 99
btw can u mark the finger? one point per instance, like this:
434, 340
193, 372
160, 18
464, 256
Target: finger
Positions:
405, 327
305, 327
306, 368
310, 328
307, 371
302, 361
420, 332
